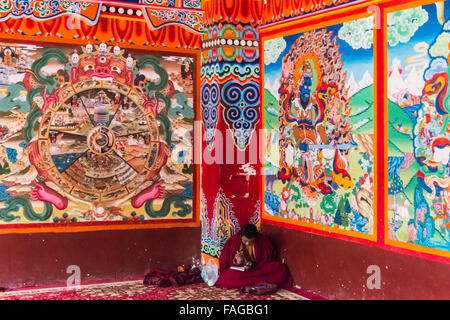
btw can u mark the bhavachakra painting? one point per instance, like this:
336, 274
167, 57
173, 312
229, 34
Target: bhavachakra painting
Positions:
96, 133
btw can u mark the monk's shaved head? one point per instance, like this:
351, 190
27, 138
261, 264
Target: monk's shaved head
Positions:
249, 231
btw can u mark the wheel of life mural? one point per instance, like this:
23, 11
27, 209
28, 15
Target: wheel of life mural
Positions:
103, 136
99, 143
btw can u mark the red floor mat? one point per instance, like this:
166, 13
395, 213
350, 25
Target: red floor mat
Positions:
136, 290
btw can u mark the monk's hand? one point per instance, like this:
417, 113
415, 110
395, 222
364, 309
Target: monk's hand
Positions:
248, 266
237, 260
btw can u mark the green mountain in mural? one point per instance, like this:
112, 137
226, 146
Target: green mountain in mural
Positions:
400, 143
271, 110
398, 118
409, 175
270, 122
394, 151
361, 117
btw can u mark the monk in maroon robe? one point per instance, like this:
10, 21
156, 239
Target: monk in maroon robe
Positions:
256, 253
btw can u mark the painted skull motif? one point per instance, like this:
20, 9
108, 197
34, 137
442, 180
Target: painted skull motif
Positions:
89, 48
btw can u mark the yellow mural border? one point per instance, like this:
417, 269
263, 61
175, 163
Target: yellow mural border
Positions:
194, 221
271, 33
387, 241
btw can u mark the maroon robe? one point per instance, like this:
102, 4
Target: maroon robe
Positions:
267, 267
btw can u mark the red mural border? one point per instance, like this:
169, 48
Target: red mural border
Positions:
303, 24
118, 225
310, 21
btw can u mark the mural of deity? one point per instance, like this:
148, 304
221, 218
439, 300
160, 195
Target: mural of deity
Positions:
419, 131
321, 146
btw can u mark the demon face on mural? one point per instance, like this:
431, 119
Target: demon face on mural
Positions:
100, 65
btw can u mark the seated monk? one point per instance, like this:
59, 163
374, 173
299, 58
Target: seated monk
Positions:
257, 255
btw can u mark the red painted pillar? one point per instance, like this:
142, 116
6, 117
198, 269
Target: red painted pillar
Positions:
230, 96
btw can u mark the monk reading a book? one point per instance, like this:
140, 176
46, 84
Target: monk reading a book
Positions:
250, 259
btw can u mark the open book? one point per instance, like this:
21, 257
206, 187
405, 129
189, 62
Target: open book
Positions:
239, 268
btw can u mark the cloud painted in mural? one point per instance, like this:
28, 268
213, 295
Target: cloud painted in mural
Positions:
272, 50
440, 47
437, 65
402, 26
358, 33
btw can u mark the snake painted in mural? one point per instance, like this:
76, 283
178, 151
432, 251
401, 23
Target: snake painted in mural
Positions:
315, 134
98, 135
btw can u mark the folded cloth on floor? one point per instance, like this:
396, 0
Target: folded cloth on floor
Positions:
167, 278
159, 277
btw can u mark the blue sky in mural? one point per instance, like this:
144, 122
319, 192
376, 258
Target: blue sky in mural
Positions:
355, 60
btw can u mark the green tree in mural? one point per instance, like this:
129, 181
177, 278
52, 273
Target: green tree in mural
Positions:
344, 215
338, 217
348, 208
348, 211
343, 209
345, 220
395, 187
